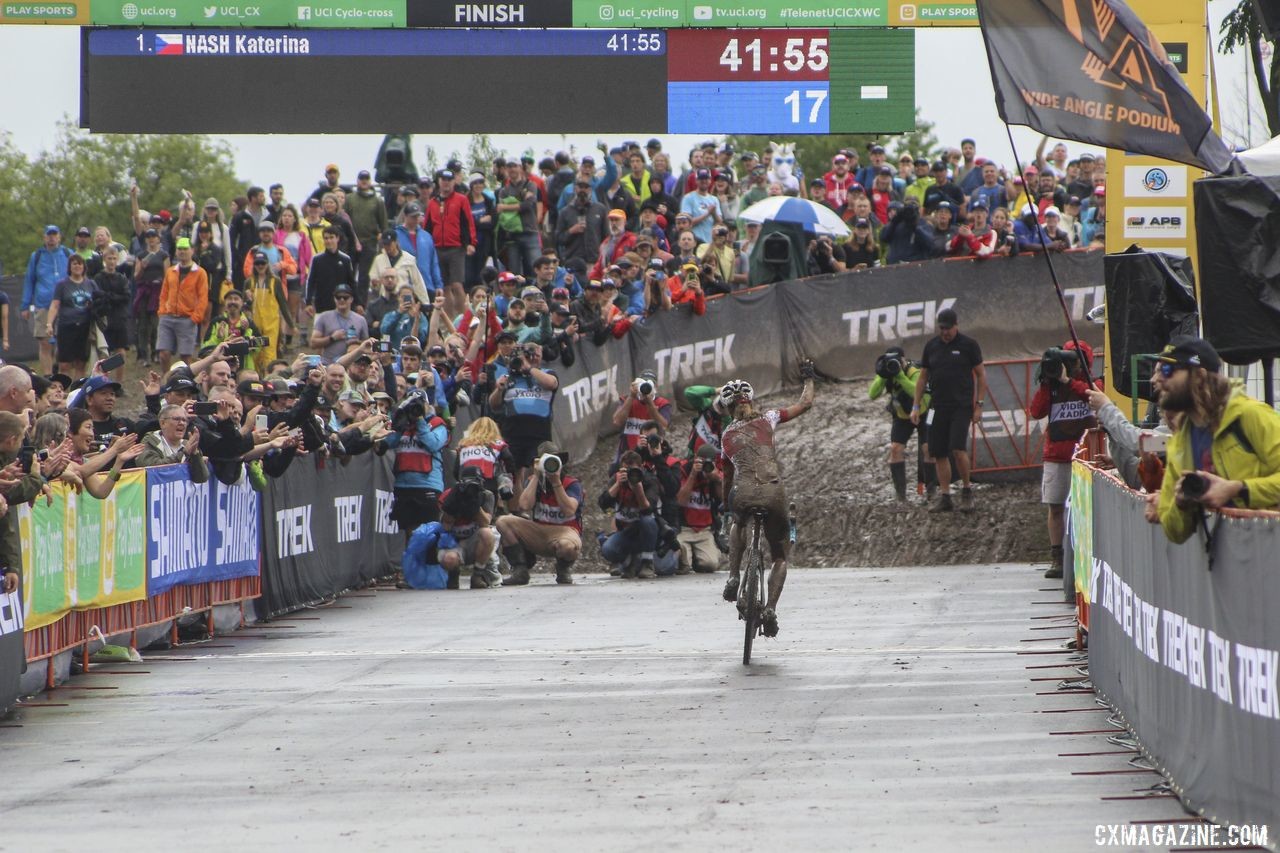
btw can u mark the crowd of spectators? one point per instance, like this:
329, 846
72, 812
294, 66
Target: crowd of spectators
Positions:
385, 319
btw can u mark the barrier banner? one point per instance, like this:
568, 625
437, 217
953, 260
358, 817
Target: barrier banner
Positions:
589, 393
12, 651
740, 337
326, 529
1080, 526
843, 322
1189, 653
80, 553
198, 532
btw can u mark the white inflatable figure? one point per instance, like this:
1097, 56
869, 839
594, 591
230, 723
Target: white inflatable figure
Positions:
783, 166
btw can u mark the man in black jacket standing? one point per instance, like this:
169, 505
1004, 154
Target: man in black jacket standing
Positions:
329, 269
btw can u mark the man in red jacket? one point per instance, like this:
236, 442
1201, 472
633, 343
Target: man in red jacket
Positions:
453, 228
1063, 397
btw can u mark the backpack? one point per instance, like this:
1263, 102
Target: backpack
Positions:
509, 220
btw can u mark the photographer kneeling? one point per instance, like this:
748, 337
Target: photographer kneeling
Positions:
633, 496
464, 515
700, 497
1063, 397
898, 376
555, 529
1225, 450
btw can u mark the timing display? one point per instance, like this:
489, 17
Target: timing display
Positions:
790, 81
795, 81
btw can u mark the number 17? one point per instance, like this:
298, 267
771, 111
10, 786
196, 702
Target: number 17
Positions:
818, 96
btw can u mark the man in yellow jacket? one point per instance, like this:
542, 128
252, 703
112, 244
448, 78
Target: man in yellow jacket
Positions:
1225, 452
184, 298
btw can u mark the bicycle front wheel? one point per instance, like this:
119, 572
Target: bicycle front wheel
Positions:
751, 580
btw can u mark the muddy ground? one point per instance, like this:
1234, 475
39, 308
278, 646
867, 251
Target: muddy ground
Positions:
835, 468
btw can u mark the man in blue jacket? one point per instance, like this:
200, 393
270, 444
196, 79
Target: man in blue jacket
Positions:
47, 267
417, 437
415, 240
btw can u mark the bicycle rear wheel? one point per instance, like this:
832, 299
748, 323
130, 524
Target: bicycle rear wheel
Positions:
752, 581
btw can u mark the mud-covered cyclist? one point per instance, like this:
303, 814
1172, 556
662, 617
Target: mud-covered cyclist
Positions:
753, 479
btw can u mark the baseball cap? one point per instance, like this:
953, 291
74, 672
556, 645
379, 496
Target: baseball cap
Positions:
179, 383
444, 175
82, 231
259, 257
877, 149
332, 167
1075, 199
702, 175
388, 236
530, 291
506, 336
689, 267
281, 388
266, 225
560, 293
624, 263
938, 166
861, 222
920, 161
978, 203
1086, 156
313, 202
436, 349
1100, 191
353, 397
1190, 351
413, 209
885, 170
617, 214
183, 243
343, 290
380, 396
947, 318
609, 283
1052, 211
593, 285
653, 143
211, 203
363, 175
589, 160
946, 205
52, 229
252, 387
97, 383
839, 157
562, 310
577, 266
505, 276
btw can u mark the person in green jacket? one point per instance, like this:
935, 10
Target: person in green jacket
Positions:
707, 426
1225, 450
896, 375
368, 213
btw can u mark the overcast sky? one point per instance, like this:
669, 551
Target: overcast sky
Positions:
953, 89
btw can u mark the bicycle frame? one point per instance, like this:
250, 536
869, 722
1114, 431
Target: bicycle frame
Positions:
752, 591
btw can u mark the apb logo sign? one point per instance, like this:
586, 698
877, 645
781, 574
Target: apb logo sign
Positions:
1155, 223
1163, 181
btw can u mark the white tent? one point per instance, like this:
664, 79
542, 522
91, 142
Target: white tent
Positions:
1263, 161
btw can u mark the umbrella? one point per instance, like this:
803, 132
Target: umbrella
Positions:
811, 216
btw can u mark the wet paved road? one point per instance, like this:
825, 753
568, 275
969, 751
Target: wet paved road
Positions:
892, 713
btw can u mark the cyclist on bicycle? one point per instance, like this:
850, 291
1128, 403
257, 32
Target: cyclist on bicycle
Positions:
753, 480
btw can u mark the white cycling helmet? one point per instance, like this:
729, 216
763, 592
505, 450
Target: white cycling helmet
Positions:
736, 389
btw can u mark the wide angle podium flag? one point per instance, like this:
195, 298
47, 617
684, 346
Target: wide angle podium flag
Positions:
1091, 71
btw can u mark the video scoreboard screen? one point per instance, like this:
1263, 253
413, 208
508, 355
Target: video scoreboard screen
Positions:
759, 81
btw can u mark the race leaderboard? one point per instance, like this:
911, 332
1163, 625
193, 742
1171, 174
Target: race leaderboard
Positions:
757, 81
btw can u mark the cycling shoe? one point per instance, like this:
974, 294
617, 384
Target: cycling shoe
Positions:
769, 622
731, 588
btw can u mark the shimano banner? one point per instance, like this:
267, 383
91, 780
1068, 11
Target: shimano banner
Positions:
198, 532
1190, 654
326, 527
843, 322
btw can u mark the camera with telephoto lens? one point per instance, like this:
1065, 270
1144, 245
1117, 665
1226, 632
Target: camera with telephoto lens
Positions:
644, 387
888, 365
1194, 485
635, 474
707, 466
1054, 362
259, 341
411, 410
467, 496
517, 365
548, 463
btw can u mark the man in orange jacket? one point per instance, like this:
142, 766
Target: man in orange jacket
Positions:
184, 297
